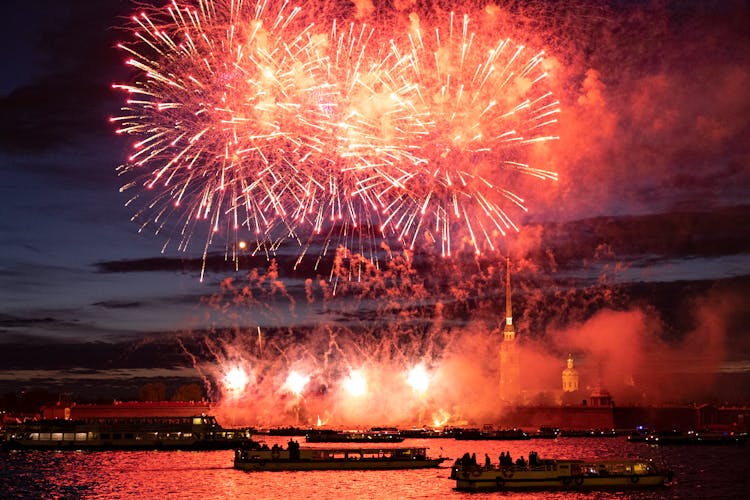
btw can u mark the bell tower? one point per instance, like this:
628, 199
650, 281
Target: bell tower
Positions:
570, 377
510, 365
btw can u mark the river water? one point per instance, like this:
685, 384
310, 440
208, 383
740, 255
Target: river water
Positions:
701, 472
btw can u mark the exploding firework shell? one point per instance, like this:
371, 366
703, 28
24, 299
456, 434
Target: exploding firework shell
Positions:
365, 117
214, 107
480, 102
247, 116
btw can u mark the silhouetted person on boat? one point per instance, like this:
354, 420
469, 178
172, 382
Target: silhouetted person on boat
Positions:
466, 459
293, 450
521, 462
473, 459
501, 460
487, 461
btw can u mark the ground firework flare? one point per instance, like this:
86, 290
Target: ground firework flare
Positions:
252, 121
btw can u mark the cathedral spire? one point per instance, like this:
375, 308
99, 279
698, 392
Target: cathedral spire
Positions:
509, 333
510, 356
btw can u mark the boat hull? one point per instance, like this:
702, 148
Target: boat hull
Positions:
561, 475
309, 459
301, 465
121, 445
494, 482
200, 432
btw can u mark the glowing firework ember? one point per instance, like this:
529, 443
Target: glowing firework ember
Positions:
296, 382
356, 383
215, 110
418, 379
235, 381
481, 102
250, 119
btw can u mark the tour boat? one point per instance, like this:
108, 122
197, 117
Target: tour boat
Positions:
372, 436
303, 459
200, 432
559, 474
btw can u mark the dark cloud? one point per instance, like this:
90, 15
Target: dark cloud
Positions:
49, 114
66, 97
654, 236
114, 304
676, 234
660, 116
59, 355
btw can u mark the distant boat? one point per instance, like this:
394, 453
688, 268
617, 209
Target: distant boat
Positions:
665, 438
560, 475
372, 436
421, 433
200, 432
488, 434
304, 459
589, 433
545, 433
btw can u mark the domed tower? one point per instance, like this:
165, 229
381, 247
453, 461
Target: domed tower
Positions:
570, 377
510, 364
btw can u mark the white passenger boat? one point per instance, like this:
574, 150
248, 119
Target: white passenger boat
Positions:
547, 474
199, 432
302, 459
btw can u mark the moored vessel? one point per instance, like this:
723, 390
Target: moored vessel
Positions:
553, 474
199, 432
371, 436
696, 438
490, 434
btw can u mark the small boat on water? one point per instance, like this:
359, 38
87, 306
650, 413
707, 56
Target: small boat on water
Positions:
490, 434
304, 459
371, 436
545, 432
199, 432
546, 474
665, 438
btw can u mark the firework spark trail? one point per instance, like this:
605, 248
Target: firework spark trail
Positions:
365, 116
326, 355
215, 110
249, 118
480, 102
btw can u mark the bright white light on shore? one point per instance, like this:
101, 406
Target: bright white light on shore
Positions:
236, 380
418, 378
296, 382
440, 418
356, 383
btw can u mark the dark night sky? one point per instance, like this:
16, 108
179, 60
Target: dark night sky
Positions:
654, 184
